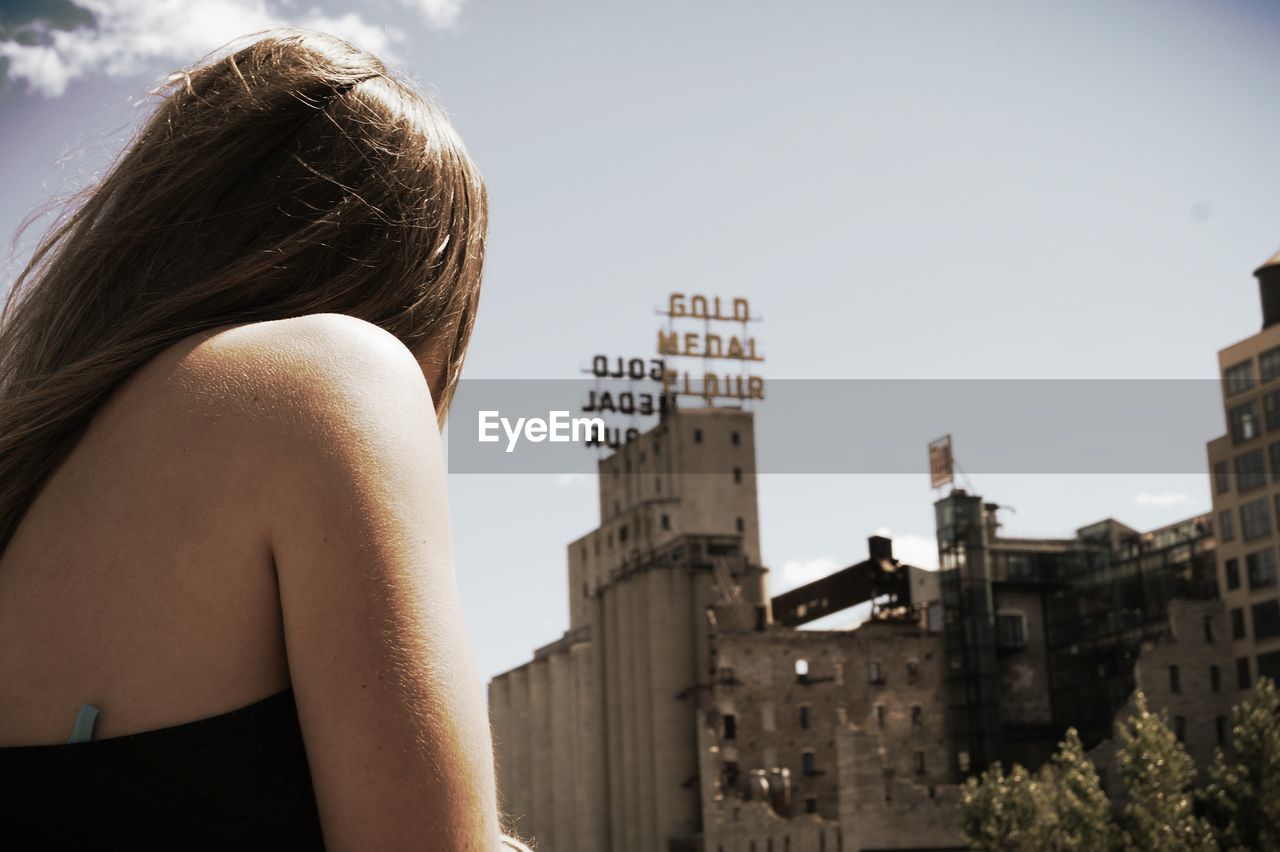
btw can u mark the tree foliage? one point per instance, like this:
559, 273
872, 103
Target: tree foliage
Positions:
1244, 794
1006, 812
1082, 808
1159, 815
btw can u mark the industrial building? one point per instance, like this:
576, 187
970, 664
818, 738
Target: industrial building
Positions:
674, 713
684, 710
1043, 634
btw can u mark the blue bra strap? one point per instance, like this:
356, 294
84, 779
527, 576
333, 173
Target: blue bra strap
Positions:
83, 730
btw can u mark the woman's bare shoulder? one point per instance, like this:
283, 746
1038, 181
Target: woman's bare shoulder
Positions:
318, 369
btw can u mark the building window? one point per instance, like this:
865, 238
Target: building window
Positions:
913, 671
1242, 673
1271, 410
622, 534
1208, 629
873, 673
804, 717
737, 474
735, 438
879, 715
917, 716
730, 774
697, 436
1238, 377
1180, 728
811, 805
730, 726
1237, 623
1269, 665
917, 760
1251, 470
1232, 570
742, 525
1226, 526
1269, 364
1221, 477
802, 670
1243, 420
1261, 567
807, 764
1220, 728
1215, 679
1266, 619
1255, 519
1175, 680
1011, 630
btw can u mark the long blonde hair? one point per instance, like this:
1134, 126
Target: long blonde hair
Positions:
292, 176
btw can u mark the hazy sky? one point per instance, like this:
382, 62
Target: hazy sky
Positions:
903, 190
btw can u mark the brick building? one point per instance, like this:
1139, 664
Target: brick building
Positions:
684, 710
1245, 466
671, 715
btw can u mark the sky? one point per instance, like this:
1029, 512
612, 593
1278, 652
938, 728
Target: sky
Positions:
916, 190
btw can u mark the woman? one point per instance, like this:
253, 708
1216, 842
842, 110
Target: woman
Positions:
225, 552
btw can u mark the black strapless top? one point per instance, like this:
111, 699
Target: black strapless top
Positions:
235, 781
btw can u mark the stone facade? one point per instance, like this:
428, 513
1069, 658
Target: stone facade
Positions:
1186, 674
826, 739
613, 737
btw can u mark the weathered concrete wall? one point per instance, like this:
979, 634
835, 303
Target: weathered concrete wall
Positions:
734, 824
880, 810
1201, 706
541, 821
589, 776
879, 769
516, 753
1024, 674
500, 727
779, 716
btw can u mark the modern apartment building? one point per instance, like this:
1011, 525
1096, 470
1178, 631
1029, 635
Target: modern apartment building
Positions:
1245, 480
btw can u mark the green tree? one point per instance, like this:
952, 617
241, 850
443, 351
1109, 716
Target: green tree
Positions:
1244, 793
1007, 812
1157, 773
1083, 811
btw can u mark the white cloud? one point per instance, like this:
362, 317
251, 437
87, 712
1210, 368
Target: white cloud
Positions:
1165, 498
374, 38
131, 35
441, 14
798, 572
918, 550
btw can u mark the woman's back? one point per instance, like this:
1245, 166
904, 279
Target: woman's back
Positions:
141, 580
258, 509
